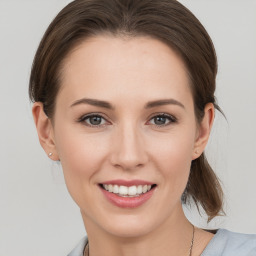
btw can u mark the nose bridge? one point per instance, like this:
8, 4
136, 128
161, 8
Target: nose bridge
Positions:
129, 150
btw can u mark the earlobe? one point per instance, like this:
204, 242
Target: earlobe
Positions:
44, 130
204, 130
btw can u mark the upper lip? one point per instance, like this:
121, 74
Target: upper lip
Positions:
127, 183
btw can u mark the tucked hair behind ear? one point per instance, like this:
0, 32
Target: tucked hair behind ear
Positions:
166, 20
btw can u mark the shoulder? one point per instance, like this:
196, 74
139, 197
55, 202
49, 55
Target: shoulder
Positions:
79, 249
228, 243
224, 243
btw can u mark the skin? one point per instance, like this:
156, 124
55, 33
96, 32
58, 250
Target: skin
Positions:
127, 73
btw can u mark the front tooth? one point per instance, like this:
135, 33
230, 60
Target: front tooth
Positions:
110, 188
145, 189
139, 189
115, 189
149, 187
123, 190
132, 191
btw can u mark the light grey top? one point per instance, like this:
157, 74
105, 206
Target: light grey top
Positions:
224, 243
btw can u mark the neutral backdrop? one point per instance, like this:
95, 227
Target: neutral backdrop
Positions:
37, 215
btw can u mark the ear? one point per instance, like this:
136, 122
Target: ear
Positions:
204, 129
44, 130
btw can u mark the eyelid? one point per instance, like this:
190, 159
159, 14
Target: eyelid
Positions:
172, 119
85, 116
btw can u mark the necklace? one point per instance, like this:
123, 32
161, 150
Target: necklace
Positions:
192, 241
86, 249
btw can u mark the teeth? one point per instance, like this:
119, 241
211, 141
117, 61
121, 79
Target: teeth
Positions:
115, 189
132, 191
145, 189
123, 190
110, 188
139, 189
127, 191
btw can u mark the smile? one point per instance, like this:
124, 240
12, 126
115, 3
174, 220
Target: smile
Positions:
125, 191
127, 194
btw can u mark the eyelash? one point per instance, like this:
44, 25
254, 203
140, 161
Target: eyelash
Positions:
83, 119
169, 117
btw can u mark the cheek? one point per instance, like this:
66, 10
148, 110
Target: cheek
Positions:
81, 157
173, 156
174, 148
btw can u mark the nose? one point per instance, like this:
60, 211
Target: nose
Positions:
128, 148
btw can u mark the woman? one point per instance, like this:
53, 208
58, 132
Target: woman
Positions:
124, 99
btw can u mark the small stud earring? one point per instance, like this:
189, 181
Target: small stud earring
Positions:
50, 154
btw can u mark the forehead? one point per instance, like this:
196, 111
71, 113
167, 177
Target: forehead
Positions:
107, 66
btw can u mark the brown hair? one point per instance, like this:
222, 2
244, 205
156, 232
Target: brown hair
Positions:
165, 20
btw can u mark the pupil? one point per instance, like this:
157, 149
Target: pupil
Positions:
95, 120
160, 120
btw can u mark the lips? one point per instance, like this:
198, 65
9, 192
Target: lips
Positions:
127, 194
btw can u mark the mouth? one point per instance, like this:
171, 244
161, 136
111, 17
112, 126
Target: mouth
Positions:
128, 191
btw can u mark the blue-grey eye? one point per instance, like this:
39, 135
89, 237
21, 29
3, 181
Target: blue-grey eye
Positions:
161, 120
93, 120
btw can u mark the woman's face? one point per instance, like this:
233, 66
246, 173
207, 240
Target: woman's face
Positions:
125, 117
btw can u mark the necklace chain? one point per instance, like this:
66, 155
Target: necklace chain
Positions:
192, 241
86, 250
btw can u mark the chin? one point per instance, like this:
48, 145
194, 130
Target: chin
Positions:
130, 232
130, 226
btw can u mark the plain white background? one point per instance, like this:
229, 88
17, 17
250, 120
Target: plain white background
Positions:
37, 215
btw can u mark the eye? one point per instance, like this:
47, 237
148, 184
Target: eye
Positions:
93, 120
162, 120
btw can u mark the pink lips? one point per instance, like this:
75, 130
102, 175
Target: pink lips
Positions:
128, 202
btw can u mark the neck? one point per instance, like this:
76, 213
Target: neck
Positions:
171, 238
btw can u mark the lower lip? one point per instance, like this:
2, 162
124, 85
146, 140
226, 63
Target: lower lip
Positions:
128, 202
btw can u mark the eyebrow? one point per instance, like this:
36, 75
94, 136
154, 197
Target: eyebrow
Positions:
107, 105
93, 102
162, 102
